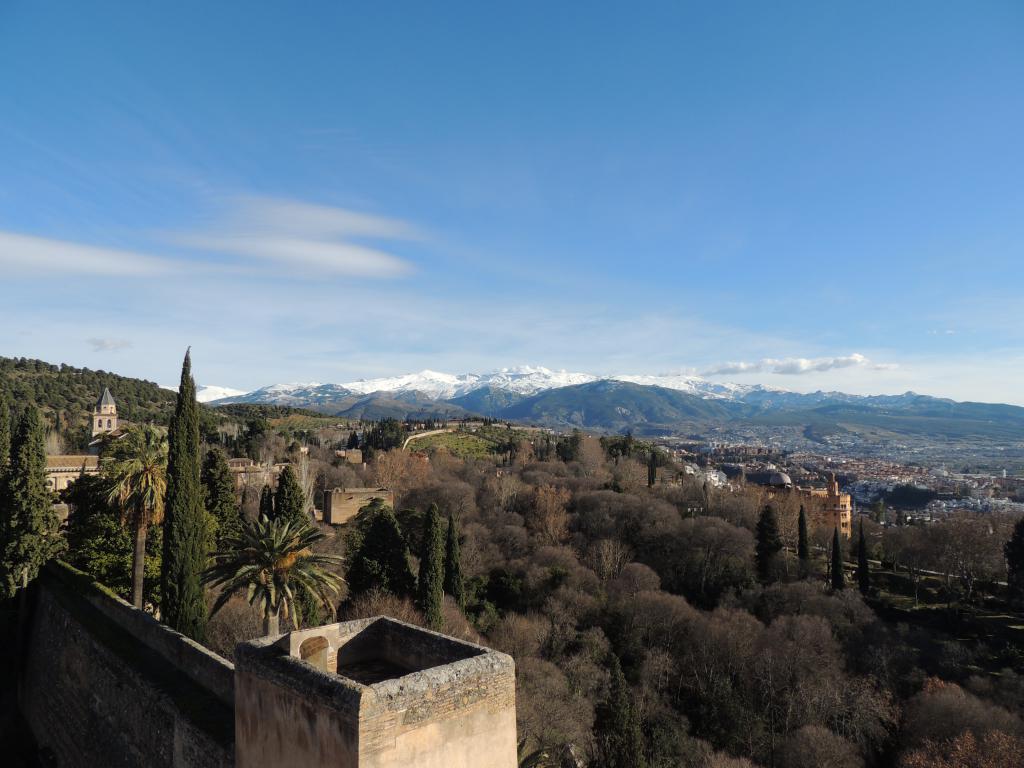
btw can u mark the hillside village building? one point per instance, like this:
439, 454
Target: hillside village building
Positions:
104, 415
63, 469
829, 507
826, 507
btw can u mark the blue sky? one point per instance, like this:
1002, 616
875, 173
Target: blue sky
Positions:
799, 194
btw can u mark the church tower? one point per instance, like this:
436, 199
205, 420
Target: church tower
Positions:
104, 415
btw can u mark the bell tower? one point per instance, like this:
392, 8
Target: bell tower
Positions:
104, 415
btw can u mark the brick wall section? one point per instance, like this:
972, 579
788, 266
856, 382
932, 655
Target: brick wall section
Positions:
98, 694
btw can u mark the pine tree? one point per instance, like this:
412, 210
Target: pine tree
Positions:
290, 499
267, 502
1014, 552
454, 582
430, 588
769, 544
29, 536
353, 440
863, 572
185, 529
803, 549
838, 578
219, 495
620, 741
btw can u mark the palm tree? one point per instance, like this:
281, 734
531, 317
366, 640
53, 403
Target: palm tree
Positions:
271, 560
136, 466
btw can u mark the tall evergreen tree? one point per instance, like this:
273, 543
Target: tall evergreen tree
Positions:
838, 577
620, 741
185, 529
5, 439
290, 499
454, 582
29, 536
803, 549
380, 557
267, 502
5, 465
652, 468
353, 440
430, 588
1014, 552
769, 544
863, 572
219, 495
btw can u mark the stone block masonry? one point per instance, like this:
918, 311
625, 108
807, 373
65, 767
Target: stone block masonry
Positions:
107, 685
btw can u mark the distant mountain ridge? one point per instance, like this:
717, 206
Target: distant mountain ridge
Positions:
645, 404
522, 381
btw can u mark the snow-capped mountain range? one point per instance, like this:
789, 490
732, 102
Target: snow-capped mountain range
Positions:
523, 381
207, 393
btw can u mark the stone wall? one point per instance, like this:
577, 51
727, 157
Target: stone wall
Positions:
342, 504
107, 685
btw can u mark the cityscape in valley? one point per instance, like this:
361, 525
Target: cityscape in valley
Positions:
656, 385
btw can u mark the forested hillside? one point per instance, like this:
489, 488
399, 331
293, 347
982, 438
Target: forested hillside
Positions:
66, 395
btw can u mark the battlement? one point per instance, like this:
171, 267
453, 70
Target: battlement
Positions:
373, 693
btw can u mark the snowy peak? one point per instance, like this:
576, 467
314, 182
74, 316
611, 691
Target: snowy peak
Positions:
526, 380
441, 386
694, 385
207, 393
522, 381
297, 395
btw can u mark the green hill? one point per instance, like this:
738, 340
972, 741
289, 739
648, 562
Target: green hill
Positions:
66, 395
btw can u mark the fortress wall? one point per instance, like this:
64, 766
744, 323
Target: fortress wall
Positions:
106, 684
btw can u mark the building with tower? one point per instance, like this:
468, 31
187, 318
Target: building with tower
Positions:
104, 415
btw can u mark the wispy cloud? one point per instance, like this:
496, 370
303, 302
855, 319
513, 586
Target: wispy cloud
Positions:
795, 366
306, 237
108, 345
30, 255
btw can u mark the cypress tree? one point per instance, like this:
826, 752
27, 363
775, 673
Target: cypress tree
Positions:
29, 536
380, 558
803, 548
219, 495
185, 528
838, 578
267, 502
652, 469
863, 572
454, 583
353, 440
1014, 553
620, 742
5, 464
290, 499
5, 439
430, 591
769, 544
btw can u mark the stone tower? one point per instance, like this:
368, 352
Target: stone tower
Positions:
104, 415
373, 693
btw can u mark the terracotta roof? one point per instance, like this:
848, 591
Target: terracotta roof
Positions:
72, 462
